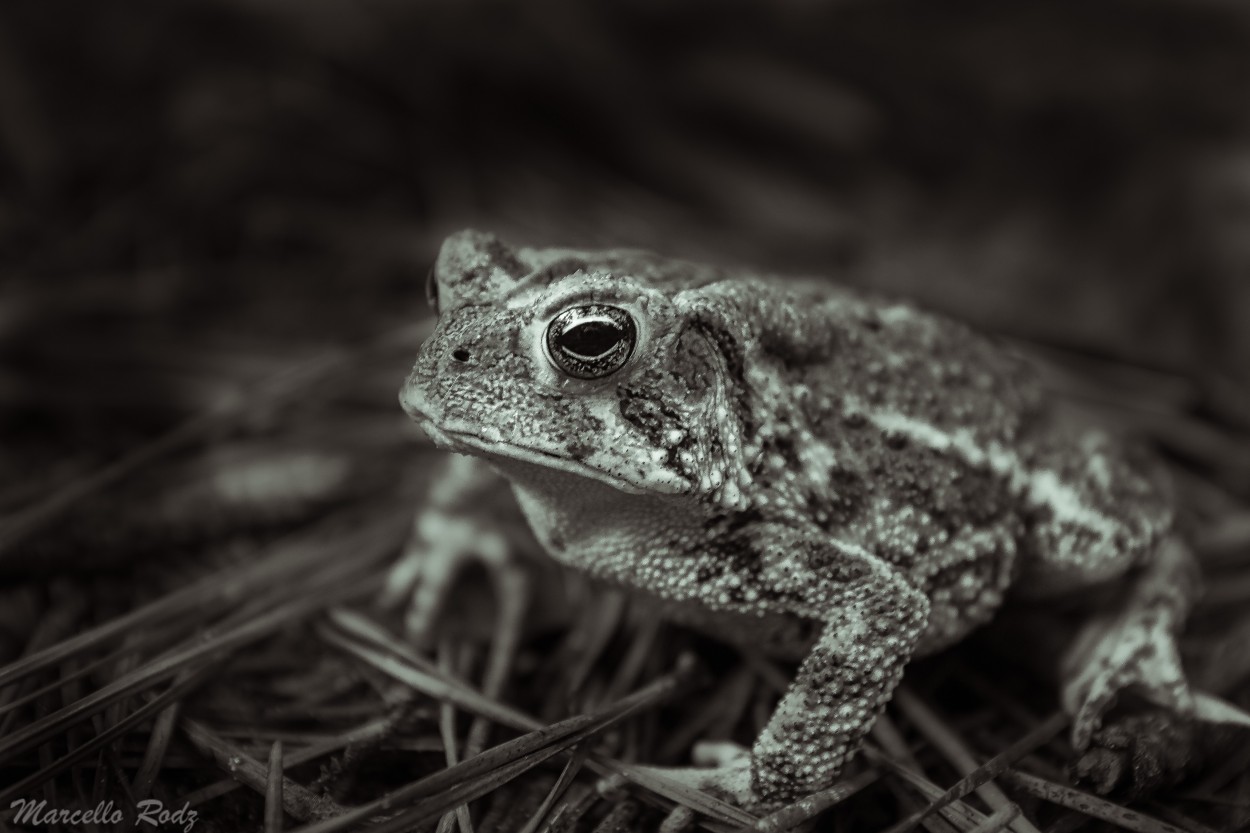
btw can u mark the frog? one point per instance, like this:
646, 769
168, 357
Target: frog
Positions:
822, 474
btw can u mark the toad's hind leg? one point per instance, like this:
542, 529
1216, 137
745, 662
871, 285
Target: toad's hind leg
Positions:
1102, 515
1135, 646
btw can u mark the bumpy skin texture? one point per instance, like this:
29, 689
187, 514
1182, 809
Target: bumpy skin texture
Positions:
825, 475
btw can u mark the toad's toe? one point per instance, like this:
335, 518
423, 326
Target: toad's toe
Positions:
441, 547
1138, 754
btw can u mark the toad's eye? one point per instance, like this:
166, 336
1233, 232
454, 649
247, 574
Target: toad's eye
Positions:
591, 341
431, 290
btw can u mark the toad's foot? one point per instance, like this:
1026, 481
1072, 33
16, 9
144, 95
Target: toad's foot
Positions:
459, 526
441, 547
722, 770
1135, 649
1138, 754
1138, 652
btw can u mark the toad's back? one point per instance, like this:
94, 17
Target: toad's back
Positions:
956, 439
939, 454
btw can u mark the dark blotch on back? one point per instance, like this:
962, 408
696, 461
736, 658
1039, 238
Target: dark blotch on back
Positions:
732, 552
842, 503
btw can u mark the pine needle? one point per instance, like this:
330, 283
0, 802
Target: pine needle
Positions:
956, 752
1083, 802
505, 761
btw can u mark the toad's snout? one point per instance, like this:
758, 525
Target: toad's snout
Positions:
413, 399
437, 374
415, 394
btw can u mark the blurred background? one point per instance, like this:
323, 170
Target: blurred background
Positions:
1071, 169
196, 194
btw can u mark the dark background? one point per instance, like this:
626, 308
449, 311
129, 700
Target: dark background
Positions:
1078, 170
196, 194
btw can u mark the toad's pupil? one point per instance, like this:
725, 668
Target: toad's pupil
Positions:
591, 338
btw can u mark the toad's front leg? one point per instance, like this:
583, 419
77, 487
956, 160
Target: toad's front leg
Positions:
466, 519
871, 627
872, 622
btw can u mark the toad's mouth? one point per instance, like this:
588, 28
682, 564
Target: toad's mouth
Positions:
474, 441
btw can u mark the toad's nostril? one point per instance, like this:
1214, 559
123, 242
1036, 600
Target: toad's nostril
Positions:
460, 355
